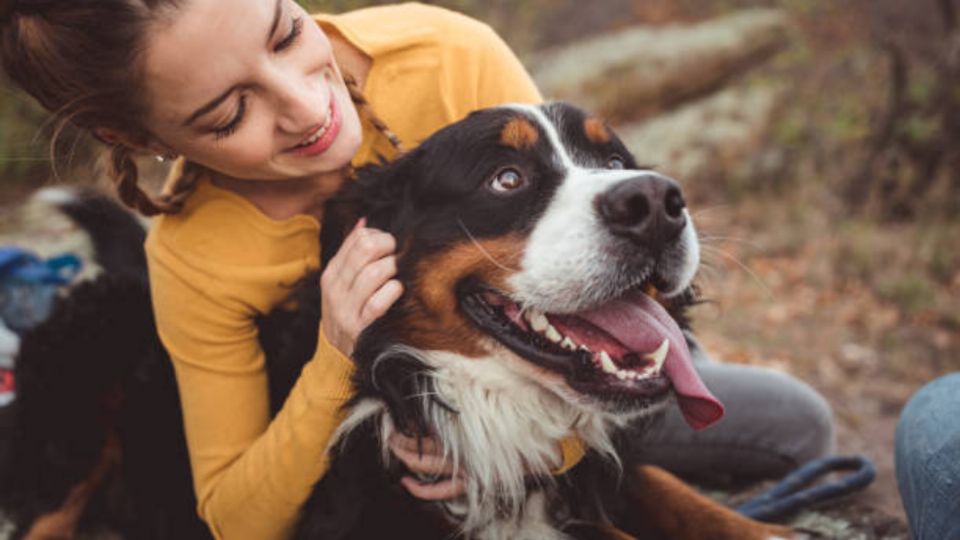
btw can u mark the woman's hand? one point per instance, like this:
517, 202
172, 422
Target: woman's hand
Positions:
426, 460
357, 286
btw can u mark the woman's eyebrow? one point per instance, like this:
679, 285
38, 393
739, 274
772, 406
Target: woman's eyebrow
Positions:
276, 20
213, 104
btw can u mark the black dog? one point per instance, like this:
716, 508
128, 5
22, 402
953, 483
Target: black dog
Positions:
545, 275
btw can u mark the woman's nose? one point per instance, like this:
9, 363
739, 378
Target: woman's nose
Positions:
300, 105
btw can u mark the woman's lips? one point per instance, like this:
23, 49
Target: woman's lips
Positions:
321, 139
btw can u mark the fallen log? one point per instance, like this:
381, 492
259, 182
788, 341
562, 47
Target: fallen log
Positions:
643, 71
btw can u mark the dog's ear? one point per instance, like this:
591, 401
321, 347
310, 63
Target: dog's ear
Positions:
377, 193
340, 214
403, 381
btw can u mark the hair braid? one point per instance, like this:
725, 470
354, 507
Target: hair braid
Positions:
123, 170
176, 192
363, 105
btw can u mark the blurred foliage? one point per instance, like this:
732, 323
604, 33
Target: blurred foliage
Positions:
23, 149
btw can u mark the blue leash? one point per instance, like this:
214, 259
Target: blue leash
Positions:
788, 496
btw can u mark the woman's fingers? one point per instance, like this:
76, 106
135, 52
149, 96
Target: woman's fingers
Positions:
356, 287
380, 302
426, 445
373, 276
336, 262
424, 457
371, 245
423, 464
441, 491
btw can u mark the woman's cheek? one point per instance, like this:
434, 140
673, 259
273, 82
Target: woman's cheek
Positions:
247, 155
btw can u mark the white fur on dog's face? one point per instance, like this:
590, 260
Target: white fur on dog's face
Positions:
572, 261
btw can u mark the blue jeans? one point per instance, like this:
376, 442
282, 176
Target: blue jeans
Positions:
928, 460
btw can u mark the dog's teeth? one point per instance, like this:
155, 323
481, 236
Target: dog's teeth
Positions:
607, 363
622, 375
538, 321
659, 356
553, 335
568, 344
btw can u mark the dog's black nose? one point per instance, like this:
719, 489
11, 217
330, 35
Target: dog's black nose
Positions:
647, 209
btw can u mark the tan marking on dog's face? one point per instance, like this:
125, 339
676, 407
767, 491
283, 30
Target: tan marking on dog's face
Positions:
597, 132
519, 133
433, 320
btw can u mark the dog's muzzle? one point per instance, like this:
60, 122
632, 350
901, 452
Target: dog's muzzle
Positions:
647, 210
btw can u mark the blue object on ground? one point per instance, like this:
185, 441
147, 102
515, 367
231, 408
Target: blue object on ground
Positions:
788, 496
28, 285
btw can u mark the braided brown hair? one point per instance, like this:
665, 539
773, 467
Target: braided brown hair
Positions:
364, 106
75, 58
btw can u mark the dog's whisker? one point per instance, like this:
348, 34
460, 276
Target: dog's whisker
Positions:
703, 210
713, 238
759, 281
483, 250
708, 271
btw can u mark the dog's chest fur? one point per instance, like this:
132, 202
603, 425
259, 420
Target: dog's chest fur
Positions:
501, 429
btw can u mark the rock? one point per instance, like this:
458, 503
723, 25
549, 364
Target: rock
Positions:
642, 71
718, 133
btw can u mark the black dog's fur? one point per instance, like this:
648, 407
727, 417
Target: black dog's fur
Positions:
101, 342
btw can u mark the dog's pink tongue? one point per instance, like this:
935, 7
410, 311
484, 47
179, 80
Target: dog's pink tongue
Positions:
641, 323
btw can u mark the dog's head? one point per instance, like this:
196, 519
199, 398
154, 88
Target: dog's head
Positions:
529, 236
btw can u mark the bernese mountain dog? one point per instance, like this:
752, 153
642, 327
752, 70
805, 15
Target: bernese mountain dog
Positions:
546, 277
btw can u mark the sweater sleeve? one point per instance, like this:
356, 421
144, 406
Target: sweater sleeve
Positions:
251, 474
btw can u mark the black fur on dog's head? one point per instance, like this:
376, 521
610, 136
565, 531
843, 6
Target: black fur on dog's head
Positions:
504, 213
516, 228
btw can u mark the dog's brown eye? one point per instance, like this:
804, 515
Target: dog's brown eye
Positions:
616, 162
507, 180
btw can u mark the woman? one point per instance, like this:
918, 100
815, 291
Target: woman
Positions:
268, 108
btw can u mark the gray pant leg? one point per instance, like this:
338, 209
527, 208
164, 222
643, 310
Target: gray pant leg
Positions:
773, 423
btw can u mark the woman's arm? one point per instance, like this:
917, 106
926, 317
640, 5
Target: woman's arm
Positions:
252, 474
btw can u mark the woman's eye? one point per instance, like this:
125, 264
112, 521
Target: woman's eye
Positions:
616, 162
507, 180
295, 29
231, 127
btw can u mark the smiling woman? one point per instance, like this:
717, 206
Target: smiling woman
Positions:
268, 108
274, 108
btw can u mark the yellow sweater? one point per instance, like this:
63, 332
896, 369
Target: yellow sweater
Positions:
220, 262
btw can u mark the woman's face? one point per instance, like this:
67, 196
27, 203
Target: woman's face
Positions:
249, 88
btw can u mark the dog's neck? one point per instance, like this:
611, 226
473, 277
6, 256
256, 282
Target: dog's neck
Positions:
501, 426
